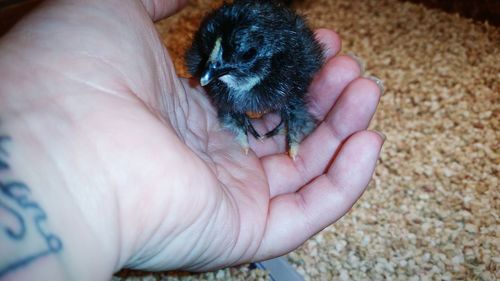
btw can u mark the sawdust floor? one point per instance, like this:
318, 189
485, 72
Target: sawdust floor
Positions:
432, 209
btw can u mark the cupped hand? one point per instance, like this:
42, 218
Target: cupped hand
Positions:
139, 152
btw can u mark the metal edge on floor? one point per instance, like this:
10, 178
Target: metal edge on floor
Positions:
280, 270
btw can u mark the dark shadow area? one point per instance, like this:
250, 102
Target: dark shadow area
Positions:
481, 10
12, 10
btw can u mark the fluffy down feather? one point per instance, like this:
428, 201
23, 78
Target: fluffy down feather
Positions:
257, 57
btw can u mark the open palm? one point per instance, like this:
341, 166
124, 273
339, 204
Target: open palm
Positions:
184, 194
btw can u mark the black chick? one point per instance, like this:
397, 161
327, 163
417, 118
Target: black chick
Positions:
256, 57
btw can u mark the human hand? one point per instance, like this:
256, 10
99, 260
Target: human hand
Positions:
134, 160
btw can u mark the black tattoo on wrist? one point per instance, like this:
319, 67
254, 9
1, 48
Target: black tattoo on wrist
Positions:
23, 235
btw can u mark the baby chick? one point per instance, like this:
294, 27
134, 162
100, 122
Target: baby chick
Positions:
253, 58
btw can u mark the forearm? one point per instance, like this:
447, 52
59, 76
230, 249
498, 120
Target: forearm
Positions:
44, 233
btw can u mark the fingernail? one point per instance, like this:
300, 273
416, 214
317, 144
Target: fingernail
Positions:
379, 83
382, 135
359, 60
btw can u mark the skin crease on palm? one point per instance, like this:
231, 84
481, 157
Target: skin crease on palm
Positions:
131, 164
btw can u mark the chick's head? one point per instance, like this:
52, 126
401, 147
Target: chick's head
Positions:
236, 43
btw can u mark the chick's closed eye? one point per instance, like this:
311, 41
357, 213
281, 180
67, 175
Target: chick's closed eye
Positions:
257, 57
249, 55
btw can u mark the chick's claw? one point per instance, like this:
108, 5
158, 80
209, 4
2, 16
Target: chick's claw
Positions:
299, 124
239, 125
293, 150
242, 139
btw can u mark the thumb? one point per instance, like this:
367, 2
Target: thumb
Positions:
159, 9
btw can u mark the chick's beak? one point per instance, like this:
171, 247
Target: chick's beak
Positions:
215, 67
206, 77
212, 71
